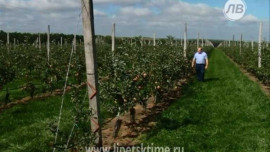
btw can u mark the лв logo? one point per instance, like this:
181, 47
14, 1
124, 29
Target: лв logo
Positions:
234, 9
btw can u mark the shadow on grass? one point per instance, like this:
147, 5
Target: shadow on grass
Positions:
211, 79
170, 124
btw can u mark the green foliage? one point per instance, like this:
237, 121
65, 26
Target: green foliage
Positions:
228, 112
130, 75
30, 38
249, 60
78, 135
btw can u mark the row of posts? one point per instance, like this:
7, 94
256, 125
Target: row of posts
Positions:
183, 42
260, 46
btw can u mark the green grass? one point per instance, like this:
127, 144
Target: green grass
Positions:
228, 112
26, 128
16, 91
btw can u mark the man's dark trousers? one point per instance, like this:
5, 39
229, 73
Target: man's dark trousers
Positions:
200, 68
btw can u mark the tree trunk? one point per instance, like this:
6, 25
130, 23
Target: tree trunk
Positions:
132, 112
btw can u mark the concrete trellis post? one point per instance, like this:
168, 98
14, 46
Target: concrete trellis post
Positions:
260, 47
263, 43
8, 41
154, 39
202, 42
48, 43
240, 43
198, 40
91, 68
234, 41
14, 43
185, 41
39, 42
252, 45
36, 43
7, 38
61, 42
113, 39
75, 43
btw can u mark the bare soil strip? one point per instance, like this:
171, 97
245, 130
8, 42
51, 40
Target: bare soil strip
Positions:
145, 120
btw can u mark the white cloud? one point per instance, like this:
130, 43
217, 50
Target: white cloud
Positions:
249, 19
40, 5
122, 2
132, 18
135, 11
99, 13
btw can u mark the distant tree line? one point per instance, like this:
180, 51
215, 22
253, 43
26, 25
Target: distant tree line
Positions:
30, 38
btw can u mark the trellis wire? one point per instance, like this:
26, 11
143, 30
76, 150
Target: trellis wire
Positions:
74, 124
64, 92
63, 97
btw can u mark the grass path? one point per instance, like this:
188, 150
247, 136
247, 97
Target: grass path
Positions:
228, 112
26, 127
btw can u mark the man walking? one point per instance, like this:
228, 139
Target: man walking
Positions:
201, 60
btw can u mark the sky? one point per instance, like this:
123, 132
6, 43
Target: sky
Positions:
137, 18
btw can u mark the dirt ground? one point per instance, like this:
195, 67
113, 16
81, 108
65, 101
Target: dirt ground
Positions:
128, 132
